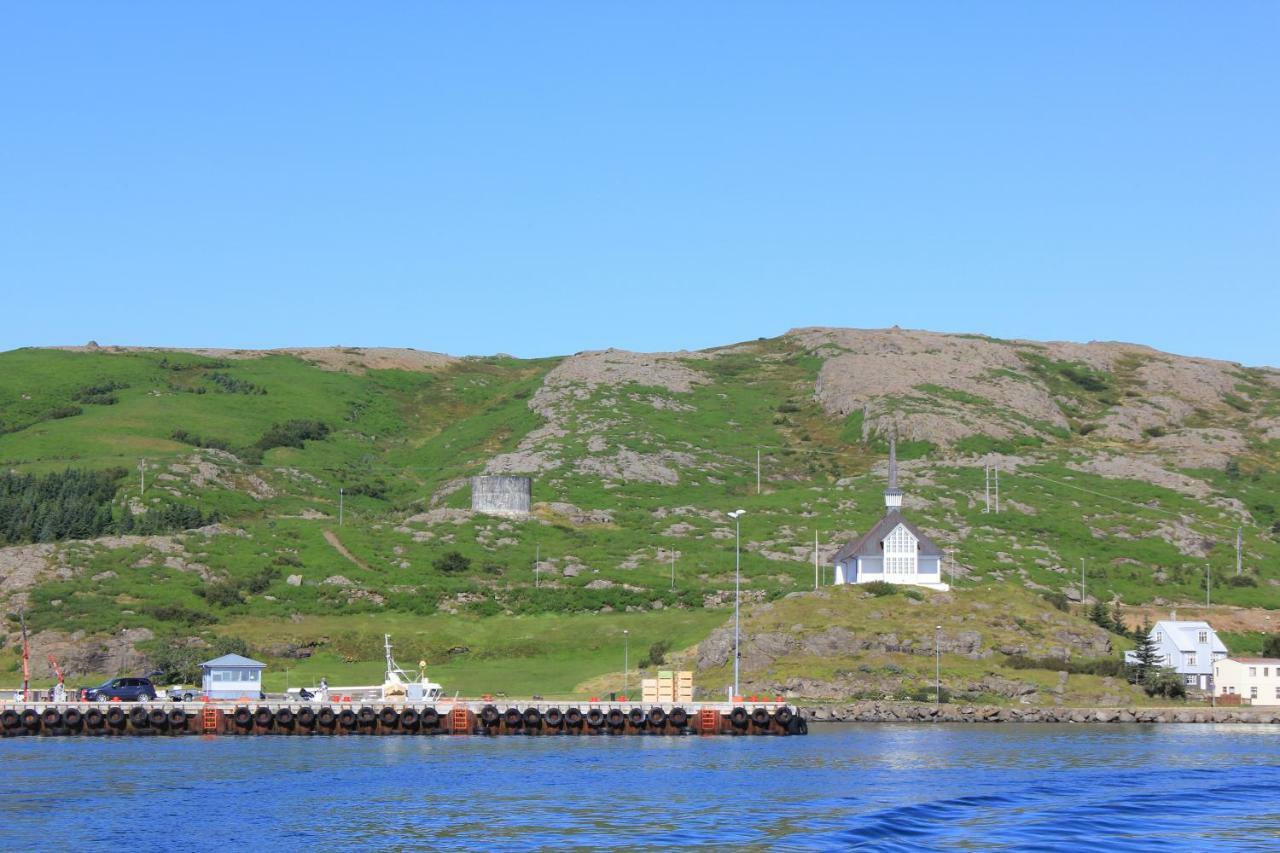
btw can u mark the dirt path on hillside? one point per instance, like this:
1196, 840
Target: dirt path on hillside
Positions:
1222, 618
332, 539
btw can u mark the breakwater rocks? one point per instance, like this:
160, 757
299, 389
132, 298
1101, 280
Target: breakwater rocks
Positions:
913, 712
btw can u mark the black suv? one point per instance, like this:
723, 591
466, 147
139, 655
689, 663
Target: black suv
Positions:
124, 689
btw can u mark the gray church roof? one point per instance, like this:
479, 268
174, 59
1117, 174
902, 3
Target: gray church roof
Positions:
869, 545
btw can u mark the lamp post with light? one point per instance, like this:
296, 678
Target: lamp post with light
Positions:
626, 659
736, 515
937, 665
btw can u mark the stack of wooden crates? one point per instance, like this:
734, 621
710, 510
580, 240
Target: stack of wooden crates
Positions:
668, 688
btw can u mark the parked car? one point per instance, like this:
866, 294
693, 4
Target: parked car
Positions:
181, 693
124, 689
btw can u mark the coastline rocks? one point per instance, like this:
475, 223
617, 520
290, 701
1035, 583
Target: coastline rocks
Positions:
914, 712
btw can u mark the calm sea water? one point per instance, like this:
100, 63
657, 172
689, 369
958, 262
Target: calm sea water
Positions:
891, 787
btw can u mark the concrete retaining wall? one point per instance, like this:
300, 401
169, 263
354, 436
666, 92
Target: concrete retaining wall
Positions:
510, 497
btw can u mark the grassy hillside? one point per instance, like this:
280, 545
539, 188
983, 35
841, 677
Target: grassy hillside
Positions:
1139, 463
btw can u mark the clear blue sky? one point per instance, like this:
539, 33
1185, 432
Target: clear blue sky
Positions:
540, 178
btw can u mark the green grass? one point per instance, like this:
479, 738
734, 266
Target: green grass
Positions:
399, 436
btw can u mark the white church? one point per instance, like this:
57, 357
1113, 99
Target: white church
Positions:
894, 549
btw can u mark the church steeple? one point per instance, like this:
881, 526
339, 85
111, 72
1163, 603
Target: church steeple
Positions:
892, 494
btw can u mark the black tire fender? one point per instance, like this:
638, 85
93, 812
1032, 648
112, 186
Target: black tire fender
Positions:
760, 716
513, 718
595, 718
532, 718
263, 716
430, 718
138, 718
51, 718
367, 716
177, 719
657, 717
9, 719
615, 718
553, 718
347, 718
72, 718
783, 717
31, 720
243, 717
116, 717
327, 717
636, 717
158, 718
306, 718
739, 717
284, 717
389, 716
573, 718
678, 717
489, 715
410, 720
94, 719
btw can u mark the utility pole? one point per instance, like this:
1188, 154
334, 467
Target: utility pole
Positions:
1208, 585
937, 670
142, 470
537, 565
341, 492
26, 657
626, 660
986, 478
996, 470
757, 470
1082, 601
815, 561
673, 569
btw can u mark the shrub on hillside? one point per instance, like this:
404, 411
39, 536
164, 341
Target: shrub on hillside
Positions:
1271, 646
453, 562
1057, 599
293, 433
879, 588
1164, 682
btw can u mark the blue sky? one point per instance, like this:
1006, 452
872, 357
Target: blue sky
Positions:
541, 178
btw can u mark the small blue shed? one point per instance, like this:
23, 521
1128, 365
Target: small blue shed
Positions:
232, 676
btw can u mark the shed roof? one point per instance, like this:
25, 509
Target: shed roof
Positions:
869, 544
233, 660
1256, 660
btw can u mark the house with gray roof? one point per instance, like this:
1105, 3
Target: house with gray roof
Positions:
1189, 648
893, 550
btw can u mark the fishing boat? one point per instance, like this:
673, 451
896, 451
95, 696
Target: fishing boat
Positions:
397, 686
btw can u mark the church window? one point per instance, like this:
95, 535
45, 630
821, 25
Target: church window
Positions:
899, 553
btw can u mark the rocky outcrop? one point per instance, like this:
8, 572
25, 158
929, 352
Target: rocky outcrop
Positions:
915, 712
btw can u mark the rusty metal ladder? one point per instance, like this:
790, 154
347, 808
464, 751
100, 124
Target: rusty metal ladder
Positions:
709, 721
459, 721
209, 721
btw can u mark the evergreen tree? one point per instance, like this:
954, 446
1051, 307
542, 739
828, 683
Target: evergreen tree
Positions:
1271, 646
1117, 619
1099, 616
1147, 654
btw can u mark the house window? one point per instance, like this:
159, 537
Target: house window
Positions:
1204, 637
1190, 679
1190, 659
1278, 692
899, 553
1253, 672
1253, 693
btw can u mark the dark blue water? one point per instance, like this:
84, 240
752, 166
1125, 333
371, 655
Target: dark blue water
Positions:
883, 787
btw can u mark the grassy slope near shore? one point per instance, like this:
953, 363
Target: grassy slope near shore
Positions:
398, 436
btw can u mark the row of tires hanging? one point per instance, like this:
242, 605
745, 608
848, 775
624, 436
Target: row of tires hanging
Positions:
389, 720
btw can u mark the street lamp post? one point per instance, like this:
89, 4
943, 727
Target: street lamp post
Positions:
736, 515
626, 659
937, 665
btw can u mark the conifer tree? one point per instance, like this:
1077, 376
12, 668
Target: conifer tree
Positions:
1147, 655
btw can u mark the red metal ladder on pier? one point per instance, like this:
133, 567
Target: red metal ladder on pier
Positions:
459, 723
209, 720
709, 721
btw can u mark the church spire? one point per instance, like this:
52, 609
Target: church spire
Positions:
893, 494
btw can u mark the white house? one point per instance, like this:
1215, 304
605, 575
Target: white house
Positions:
1188, 648
1254, 679
894, 549
231, 677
